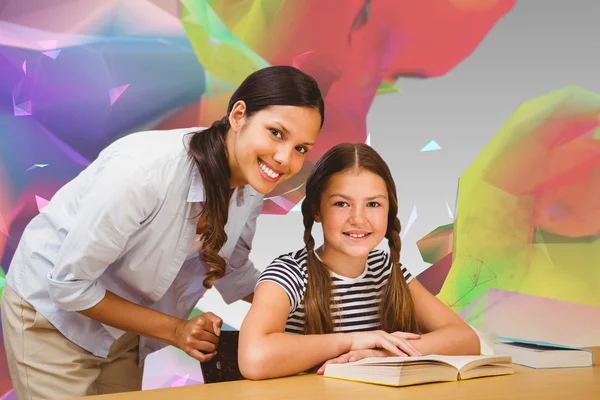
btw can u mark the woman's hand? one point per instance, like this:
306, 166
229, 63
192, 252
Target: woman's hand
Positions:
199, 336
355, 355
396, 343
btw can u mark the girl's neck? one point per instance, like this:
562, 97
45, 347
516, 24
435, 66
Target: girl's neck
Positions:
342, 264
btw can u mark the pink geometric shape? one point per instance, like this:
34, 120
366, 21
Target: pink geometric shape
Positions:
3, 227
299, 58
282, 202
181, 381
115, 93
51, 53
47, 44
571, 324
433, 278
24, 66
41, 202
22, 109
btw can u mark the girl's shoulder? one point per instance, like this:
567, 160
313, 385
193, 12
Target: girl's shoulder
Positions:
295, 260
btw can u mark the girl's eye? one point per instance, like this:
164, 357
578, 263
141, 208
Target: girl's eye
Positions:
373, 204
276, 133
340, 204
302, 150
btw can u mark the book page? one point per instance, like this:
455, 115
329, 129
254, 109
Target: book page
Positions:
457, 361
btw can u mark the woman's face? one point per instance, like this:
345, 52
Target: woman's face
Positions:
270, 146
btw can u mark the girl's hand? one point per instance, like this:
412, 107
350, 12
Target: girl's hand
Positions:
355, 355
199, 336
396, 343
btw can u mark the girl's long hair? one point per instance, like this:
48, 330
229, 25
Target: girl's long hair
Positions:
396, 308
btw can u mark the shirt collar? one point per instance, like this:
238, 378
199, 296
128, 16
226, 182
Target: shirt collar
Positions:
196, 193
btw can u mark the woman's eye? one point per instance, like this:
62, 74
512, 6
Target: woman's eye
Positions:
340, 204
302, 150
276, 133
373, 204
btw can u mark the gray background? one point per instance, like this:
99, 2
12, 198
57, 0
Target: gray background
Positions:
538, 47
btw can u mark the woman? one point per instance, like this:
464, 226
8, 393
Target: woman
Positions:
114, 264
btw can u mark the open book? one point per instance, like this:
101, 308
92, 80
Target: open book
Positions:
542, 354
404, 371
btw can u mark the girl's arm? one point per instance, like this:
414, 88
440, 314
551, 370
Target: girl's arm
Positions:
446, 333
266, 351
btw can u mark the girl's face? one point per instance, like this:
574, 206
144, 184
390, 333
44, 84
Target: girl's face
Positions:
354, 213
270, 147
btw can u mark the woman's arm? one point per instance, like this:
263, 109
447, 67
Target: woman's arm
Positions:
446, 333
266, 351
197, 337
121, 198
241, 276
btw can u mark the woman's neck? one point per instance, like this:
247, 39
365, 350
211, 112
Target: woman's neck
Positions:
237, 178
341, 263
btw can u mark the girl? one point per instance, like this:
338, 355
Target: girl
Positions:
345, 300
129, 246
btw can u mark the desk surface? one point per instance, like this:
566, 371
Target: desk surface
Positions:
526, 383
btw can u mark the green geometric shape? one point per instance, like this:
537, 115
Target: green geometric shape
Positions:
219, 51
527, 210
475, 316
436, 244
216, 86
387, 87
541, 236
195, 313
2, 282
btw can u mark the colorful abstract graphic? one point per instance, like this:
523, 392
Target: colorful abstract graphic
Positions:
528, 218
354, 52
77, 75
73, 82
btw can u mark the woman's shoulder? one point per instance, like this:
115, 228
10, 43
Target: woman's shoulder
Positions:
150, 148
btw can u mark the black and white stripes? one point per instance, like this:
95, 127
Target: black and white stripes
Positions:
356, 299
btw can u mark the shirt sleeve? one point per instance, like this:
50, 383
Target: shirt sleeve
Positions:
286, 272
241, 276
116, 203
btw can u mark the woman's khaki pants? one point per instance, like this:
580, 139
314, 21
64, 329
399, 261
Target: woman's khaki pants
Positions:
43, 364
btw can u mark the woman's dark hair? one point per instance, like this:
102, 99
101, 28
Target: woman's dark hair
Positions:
396, 308
271, 86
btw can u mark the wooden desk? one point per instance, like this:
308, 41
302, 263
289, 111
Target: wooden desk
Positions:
526, 383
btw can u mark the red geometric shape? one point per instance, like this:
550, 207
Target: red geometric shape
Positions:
433, 277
